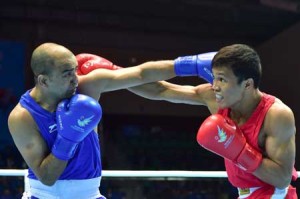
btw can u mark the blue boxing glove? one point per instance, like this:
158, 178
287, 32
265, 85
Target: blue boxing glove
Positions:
76, 118
195, 65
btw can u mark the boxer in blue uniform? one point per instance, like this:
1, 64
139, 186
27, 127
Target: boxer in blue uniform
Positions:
55, 123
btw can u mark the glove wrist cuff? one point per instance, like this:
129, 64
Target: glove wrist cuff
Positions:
249, 159
63, 149
186, 66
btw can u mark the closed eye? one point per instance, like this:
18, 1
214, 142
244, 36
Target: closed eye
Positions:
68, 73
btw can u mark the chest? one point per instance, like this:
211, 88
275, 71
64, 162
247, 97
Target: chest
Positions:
48, 128
255, 134
261, 139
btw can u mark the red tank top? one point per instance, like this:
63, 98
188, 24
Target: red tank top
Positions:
236, 176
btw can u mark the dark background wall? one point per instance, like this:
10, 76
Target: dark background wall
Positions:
281, 71
129, 33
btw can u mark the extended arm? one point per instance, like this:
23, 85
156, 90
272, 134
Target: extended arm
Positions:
100, 80
193, 95
191, 65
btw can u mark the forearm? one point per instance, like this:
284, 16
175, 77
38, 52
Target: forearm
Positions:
163, 90
50, 170
272, 173
150, 91
157, 70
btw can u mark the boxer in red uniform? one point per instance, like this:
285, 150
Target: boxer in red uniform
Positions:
252, 130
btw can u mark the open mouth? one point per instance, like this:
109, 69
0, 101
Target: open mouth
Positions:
219, 98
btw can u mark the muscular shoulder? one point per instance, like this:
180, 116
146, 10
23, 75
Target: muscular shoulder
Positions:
280, 113
279, 119
20, 119
206, 94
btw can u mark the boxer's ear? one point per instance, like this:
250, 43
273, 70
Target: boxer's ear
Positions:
42, 80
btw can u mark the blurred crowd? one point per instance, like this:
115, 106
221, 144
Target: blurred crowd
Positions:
11, 187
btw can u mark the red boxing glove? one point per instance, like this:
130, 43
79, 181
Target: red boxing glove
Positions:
221, 136
294, 174
89, 62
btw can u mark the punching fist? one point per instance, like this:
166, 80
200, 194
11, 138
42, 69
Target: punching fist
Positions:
195, 65
76, 118
89, 62
222, 136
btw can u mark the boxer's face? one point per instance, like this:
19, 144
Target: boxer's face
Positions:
229, 93
64, 81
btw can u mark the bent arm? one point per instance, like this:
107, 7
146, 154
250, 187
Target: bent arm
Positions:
280, 151
33, 148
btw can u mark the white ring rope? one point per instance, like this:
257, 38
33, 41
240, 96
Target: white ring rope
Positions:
158, 175
139, 173
165, 174
13, 172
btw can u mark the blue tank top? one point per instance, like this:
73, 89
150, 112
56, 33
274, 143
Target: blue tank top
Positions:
86, 162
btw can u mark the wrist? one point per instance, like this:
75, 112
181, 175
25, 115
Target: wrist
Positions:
63, 148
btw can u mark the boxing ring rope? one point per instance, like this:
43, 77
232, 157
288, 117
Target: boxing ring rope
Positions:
157, 175
139, 173
163, 175
136, 174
